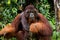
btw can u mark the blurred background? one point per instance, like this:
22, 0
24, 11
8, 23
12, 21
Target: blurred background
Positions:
10, 8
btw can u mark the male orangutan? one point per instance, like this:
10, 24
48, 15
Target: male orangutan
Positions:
23, 22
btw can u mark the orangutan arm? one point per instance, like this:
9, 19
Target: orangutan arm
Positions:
15, 23
7, 29
11, 28
44, 20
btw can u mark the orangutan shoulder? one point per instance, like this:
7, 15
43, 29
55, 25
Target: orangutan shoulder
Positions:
17, 16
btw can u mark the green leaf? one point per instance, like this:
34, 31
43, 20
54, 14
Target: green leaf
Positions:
53, 26
8, 2
14, 10
15, 1
54, 35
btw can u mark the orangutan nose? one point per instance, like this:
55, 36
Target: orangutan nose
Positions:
31, 15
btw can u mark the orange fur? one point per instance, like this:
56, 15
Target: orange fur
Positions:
42, 28
15, 23
7, 29
10, 29
42, 24
34, 27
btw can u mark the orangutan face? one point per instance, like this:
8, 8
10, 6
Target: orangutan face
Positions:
31, 15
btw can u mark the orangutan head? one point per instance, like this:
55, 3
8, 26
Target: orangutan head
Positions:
31, 14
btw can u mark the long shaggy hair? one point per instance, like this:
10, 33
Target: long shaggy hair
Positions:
23, 22
41, 29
